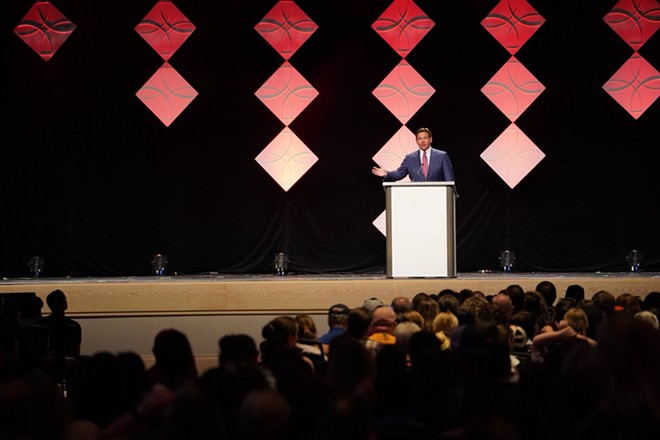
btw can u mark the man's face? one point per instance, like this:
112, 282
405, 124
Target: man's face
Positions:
423, 140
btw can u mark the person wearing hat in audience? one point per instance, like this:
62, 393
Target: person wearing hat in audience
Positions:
372, 304
337, 322
381, 332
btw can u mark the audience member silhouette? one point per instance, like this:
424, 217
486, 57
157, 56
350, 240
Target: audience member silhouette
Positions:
627, 303
381, 332
517, 294
652, 303
649, 317
604, 301
306, 327
401, 304
175, 363
11, 317
359, 321
549, 292
337, 321
429, 309
238, 373
65, 333
504, 301
103, 392
604, 386
448, 302
412, 316
575, 292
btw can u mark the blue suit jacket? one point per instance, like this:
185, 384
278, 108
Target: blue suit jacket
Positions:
440, 168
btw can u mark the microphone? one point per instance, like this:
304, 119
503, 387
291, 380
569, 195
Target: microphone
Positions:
419, 170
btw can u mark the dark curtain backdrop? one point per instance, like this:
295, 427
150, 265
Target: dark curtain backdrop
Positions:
95, 183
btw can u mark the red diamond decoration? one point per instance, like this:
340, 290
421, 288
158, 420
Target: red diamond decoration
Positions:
165, 28
286, 159
44, 28
403, 25
634, 20
512, 156
166, 94
286, 27
286, 93
636, 85
512, 23
403, 91
391, 155
513, 89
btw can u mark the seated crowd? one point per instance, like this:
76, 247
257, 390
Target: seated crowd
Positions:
464, 365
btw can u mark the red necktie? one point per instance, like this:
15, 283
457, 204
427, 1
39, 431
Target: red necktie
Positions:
425, 164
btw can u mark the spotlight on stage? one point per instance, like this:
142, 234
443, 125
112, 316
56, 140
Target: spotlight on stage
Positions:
507, 261
159, 264
635, 259
281, 263
35, 266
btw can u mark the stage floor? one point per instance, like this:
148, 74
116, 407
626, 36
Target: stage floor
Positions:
292, 293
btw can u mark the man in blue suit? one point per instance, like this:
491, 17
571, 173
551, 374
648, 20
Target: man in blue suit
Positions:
424, 165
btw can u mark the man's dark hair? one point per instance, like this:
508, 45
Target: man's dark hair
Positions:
575, 292
605, 301
56, 300
548, 291
517, 295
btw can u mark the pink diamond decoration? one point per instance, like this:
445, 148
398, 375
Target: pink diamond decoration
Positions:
636, 85
403, 25
381, 223
391, 155
165, 28
513, 89
403, 92
286, 93
286, 27
286, 159
634, 20
44, 28
512, 23
512, 156
166, 94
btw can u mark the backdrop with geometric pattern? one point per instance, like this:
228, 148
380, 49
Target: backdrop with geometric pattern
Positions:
222, 133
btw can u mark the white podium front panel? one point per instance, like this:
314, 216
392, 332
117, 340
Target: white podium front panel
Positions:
420, 229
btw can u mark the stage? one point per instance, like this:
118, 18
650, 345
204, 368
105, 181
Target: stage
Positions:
125, 313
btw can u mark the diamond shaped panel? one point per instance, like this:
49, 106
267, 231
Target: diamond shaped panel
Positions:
403, 91
403, 25
44, 28
512, 23
636, 85
166, 94
286, 159
513, 89
381, 223
165, 28
512, 155
391, 155
286, 27
286, 93
634, 20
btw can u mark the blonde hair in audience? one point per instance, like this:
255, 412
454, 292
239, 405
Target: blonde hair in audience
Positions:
577, 319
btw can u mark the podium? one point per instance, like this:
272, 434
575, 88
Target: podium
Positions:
421, 229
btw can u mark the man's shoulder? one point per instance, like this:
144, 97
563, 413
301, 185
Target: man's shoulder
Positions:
334, 331
383, 338
52, 320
